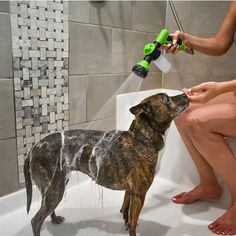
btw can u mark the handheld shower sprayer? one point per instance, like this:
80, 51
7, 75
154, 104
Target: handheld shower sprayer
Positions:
152, 52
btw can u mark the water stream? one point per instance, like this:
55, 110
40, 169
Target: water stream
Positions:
131, 84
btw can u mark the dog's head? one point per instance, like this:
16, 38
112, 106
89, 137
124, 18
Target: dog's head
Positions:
160, 109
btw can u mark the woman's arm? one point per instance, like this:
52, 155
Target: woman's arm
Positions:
215, 46
206, 91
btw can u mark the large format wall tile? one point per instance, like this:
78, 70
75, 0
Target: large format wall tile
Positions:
182, 80
79, 11
7, 115
101, 93
149, 16
90, 49
116, 14
127, 49
183, 9
207, 16
77, 99
153, 81
182, 63
104, 125
4, 6
5, 46
224, 65
8, 168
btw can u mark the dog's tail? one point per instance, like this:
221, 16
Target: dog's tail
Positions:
28, 182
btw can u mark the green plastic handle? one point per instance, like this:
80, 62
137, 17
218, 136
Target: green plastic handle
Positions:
164, 38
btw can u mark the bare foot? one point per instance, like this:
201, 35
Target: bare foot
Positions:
226, 224
198, 193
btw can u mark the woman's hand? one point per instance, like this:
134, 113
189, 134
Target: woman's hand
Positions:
173, 48
204, 92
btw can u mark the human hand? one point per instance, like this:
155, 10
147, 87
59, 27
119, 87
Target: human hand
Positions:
204, 92
173, 48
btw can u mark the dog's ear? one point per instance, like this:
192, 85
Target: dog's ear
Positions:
141, 108
138, 109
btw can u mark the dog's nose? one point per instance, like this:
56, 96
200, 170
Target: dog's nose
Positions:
181, 99
184, 99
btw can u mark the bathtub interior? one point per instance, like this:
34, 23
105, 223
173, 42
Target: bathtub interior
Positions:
92, 210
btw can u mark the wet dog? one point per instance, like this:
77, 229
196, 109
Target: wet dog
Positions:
119, 160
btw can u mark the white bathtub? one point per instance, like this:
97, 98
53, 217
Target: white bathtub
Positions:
91, 210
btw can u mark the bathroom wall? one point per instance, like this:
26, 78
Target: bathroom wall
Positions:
34, 53
8, 157
106, 40
40, 49
201, 18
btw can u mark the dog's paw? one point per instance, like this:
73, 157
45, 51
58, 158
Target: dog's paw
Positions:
57, 220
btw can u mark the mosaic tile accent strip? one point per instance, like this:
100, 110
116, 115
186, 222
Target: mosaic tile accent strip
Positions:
40, 42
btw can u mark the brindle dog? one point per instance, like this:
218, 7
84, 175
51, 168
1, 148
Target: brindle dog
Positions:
119, 160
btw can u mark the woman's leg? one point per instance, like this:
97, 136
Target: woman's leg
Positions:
206, 127
208, 187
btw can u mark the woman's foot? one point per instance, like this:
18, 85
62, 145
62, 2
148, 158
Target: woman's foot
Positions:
226, 224
198, 193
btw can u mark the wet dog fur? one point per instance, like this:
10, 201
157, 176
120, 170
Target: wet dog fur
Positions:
118, 160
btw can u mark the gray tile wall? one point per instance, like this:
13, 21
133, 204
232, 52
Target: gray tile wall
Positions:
202, 18
8, 157
5, 46
8, 168
106, 40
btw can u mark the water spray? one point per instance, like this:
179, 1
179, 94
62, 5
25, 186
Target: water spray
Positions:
152, 53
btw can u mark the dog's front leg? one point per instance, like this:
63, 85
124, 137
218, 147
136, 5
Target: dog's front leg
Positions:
125, 206
136, 204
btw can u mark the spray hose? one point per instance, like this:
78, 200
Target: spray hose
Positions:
152, 52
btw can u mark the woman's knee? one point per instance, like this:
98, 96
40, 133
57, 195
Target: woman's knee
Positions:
196, 124
191, 122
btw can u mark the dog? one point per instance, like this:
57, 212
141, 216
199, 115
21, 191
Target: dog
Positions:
118, 160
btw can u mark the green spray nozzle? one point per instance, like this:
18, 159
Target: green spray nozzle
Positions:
152, 52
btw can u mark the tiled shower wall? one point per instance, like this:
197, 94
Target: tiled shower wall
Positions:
106, 40
8, 157
34, 54
202, 18
40, 43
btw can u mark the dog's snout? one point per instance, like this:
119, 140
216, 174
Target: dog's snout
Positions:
184, 99
181, 99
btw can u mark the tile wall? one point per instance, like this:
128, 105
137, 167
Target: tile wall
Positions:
8, 157
202, 18
106, 40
